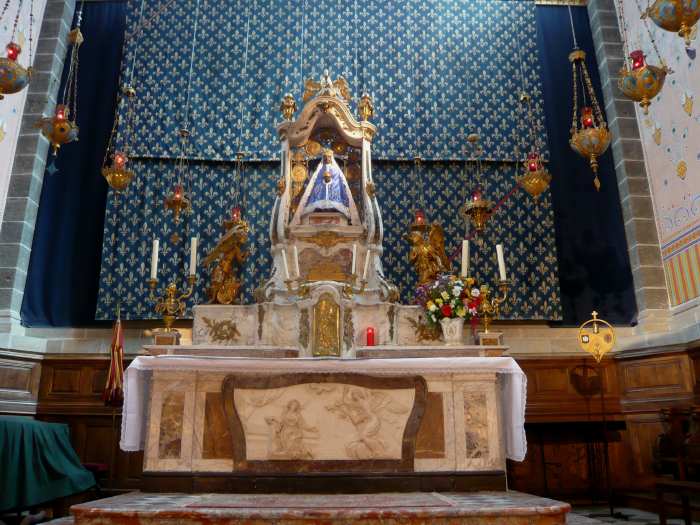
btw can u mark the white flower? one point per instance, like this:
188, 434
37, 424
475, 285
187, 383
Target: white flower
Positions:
456, 291
473, 311
476, 292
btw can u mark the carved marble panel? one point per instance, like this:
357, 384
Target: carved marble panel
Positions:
225, 324
324, 422
408, 318
280, 326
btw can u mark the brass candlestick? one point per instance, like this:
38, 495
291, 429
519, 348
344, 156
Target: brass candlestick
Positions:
489, 307
170, 304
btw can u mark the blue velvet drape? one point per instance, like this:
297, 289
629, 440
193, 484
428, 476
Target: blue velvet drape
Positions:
62, 284
594, 269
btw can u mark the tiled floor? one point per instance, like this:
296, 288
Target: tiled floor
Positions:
582, 516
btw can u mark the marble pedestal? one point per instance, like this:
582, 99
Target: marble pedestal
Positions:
481, 508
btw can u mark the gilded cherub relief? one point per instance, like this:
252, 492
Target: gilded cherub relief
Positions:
287, 433
368, 411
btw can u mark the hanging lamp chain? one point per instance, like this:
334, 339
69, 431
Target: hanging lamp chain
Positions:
573, 31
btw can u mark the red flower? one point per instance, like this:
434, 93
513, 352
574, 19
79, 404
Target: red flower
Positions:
446, 310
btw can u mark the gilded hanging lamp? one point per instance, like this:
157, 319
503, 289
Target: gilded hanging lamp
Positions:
14, 77
62, 128
114, 165
639, 80
477, 209
590, 136
178, 200
677, 16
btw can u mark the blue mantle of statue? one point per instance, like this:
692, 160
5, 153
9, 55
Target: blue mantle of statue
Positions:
331, 195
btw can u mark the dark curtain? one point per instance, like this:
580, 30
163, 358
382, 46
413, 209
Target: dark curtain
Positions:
64, 268
594, 269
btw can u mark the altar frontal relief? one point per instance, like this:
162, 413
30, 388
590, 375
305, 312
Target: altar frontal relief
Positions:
329, 421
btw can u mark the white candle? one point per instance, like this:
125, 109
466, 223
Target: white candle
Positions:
296, 262
154, 259
193, 255
501, 262
353, 270
465, 258
284, 263
364, 272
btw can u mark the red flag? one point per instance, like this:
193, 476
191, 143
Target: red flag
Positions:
114, 388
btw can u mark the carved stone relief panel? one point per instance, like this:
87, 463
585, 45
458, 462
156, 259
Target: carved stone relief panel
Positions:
225, 324
328, 422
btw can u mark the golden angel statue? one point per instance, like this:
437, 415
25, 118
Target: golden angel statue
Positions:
428, 256
336, 88
229, 256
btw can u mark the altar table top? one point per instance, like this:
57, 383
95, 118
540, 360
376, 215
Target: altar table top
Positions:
513, 400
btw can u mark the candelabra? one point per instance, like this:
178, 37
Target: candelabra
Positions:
298, 286
489, 307
351, 287
171, 303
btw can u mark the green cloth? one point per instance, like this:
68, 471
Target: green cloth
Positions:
37, 463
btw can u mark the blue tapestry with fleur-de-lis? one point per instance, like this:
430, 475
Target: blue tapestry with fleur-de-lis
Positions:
524, 226
437, 70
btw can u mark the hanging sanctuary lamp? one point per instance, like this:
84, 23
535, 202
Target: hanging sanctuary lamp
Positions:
535, 178
477, 209
114, 165
61, 128
590, 136
177, 200
13, 76
677, 16
639, 80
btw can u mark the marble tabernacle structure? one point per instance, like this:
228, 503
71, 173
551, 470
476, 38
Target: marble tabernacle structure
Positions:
285, 395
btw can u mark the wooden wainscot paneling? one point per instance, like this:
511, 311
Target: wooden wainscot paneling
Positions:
70, 392
19, 382
650, 382
568, 389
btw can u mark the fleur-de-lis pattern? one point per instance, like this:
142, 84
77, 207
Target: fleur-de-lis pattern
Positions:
437, 69
523, 226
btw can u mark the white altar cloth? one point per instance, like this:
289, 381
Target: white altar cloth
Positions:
138, 374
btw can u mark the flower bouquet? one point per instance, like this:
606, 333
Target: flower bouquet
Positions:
448, 302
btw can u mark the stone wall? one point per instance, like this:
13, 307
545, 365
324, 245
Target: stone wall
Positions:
26, 170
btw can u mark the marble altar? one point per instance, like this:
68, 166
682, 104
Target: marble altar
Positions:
228, 415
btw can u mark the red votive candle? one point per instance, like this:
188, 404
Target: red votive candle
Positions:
587, 117
637, 57
420, 217
370, 336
